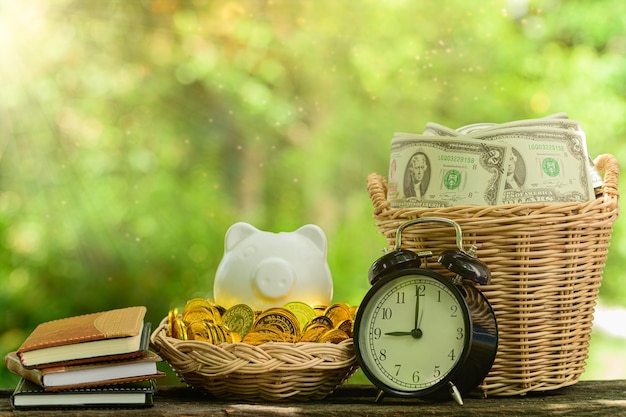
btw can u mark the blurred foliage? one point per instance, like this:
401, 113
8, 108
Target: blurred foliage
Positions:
134, 133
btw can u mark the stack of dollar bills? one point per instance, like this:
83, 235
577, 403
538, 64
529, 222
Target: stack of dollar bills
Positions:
541, 160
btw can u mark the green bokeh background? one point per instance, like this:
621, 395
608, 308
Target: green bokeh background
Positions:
134, 133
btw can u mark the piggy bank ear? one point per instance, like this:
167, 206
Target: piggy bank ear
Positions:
236, 233
315, 234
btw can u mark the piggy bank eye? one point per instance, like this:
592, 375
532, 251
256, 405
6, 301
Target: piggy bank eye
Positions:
248, 251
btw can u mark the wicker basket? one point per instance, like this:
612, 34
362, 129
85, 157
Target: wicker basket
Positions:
546, 262
270, 371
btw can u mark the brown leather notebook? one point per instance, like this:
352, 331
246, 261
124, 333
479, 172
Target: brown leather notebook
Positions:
78, 338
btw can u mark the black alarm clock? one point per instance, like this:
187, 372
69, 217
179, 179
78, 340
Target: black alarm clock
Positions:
418, 333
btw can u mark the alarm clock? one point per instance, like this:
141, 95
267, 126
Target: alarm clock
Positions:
418, 333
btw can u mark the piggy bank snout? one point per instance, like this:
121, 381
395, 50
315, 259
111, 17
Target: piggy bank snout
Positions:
274, 277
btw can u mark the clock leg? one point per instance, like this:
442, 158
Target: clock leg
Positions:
454, 393
379, 396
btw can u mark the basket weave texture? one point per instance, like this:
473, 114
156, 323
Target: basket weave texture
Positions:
271, 371
546, 262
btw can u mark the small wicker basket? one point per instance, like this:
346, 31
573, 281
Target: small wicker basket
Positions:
271, 371
546, 262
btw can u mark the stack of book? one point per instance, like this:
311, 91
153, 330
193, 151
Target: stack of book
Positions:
91, 361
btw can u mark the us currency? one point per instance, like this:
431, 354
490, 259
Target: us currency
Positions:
431, 171
555, 121
551, 122
547, 164
546, 123
543, 123
440, 130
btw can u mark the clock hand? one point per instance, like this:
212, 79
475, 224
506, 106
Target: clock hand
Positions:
418, 317
419, 323
417, 309
415, 333
398, 333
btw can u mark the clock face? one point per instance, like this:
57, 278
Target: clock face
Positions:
411, 331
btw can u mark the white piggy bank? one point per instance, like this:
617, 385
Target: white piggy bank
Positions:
265, 269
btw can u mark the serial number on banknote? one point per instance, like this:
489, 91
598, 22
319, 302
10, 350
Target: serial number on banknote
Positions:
457, 158
546, 147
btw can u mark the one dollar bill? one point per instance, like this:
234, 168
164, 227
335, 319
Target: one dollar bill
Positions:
434, 171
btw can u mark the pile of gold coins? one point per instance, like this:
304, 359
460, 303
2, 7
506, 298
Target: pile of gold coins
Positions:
203, 320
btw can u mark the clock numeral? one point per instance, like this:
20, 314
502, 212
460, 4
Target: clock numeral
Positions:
397, 369
420, 290
377, 333
416, 377
400, 298
438, 296
382, 354
459, 333
387, 312
453, 310
436, 372
451, 355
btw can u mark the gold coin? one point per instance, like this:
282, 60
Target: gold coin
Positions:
250, 339
353, 311
179, 331
324, 321
313, 332
201, 304
239, 318
200, 331
196, 302
217, 315
343, 304
338, 312
223, 334
199, 314
213, 331
303, 312
217, 333
207, 313
346, 327
319, 309
220, 310
172, 315
258, 337
172, 331
333, 336
279, 319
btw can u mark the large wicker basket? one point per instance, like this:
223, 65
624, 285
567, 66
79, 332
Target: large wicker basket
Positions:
271, 371
546, 262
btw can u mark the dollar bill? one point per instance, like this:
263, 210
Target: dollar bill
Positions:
557, 120
440, 130
431, 171
543, 123
548, 164
553, 121
463, 130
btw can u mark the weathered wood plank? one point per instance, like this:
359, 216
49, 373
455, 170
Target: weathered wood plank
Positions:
587, 398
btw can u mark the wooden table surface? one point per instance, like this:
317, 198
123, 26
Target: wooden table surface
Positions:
586, 398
